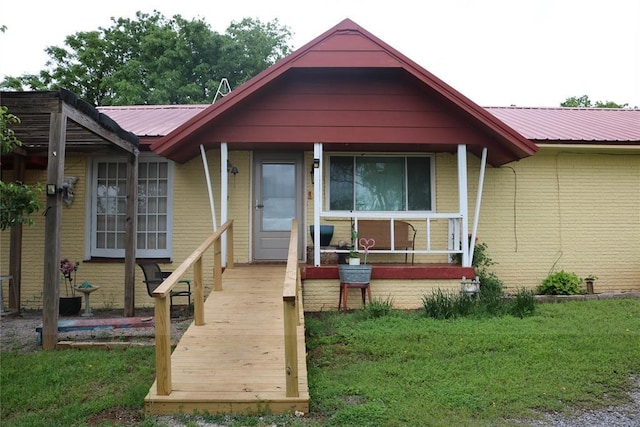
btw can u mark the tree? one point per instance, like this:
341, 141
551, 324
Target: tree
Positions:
156, 60
17, 200
584, 102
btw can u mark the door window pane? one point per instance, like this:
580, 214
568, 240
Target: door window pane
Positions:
278, 196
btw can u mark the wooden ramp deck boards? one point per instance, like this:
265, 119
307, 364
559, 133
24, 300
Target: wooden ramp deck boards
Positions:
234, 363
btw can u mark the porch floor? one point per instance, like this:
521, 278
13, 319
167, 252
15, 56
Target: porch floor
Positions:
234, 363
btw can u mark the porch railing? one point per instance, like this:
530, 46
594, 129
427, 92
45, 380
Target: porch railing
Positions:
293, 313
162, 300
451, 246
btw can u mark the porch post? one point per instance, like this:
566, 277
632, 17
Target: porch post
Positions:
53, 219
317, 200
476, 215
15, 244
130, 236
224, 195
463, 202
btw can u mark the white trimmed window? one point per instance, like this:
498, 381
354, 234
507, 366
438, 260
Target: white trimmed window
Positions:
384, 183
109, 207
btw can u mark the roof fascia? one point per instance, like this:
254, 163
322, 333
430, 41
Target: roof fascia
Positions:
633, 149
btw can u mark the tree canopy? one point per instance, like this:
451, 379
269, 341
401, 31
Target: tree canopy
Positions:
584, 102
157, 60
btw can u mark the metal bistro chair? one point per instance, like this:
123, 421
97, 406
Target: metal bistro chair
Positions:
154, 276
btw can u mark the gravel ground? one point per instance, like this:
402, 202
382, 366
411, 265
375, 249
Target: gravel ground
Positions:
17, 333
612, 416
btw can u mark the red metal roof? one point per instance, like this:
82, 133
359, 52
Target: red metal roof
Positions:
151, 120
607, 125
572, 124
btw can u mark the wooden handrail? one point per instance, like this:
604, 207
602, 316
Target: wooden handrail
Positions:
291, 307
162, 300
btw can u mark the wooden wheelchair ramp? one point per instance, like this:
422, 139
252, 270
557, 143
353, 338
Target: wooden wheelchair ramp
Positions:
235, 363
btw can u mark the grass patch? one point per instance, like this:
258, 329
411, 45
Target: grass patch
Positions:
407, 369
75, 387
372, 367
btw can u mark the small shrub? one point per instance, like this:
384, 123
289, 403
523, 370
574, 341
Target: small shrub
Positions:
439, 305
490, 302
491, 295
481, 259
524, 304
464, 304
378, 308
560, 283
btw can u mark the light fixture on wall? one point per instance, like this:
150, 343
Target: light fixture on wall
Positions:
315, 165
52, 190
231, 168
66, 189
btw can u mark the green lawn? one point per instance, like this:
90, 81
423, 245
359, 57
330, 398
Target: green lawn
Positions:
400, 369
405, 369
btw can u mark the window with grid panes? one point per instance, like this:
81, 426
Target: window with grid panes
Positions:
110, 208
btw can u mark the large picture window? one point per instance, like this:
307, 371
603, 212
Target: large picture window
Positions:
380, 183
109, 208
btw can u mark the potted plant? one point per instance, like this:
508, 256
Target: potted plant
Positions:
357, 273
354, 256
70, 303
326, 234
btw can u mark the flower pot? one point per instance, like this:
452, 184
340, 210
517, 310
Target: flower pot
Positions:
355, 273
354, 261
70, 306
326, 234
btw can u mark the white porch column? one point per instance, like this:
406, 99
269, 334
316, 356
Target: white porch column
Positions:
317, 200
463, 203
476, 215
224, 196
205, 164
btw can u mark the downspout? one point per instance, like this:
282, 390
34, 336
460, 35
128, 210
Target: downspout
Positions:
463, 203
476, 215
317, 200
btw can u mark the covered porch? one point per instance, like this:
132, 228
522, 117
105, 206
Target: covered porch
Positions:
348, 94
428, 238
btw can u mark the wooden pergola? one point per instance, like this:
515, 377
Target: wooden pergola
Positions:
55, 124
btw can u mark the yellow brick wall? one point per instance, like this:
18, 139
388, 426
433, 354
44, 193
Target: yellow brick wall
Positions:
192, 221
191, 225
552, 211
323, 295
577, 212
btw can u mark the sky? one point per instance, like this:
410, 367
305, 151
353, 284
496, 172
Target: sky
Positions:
528, 53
